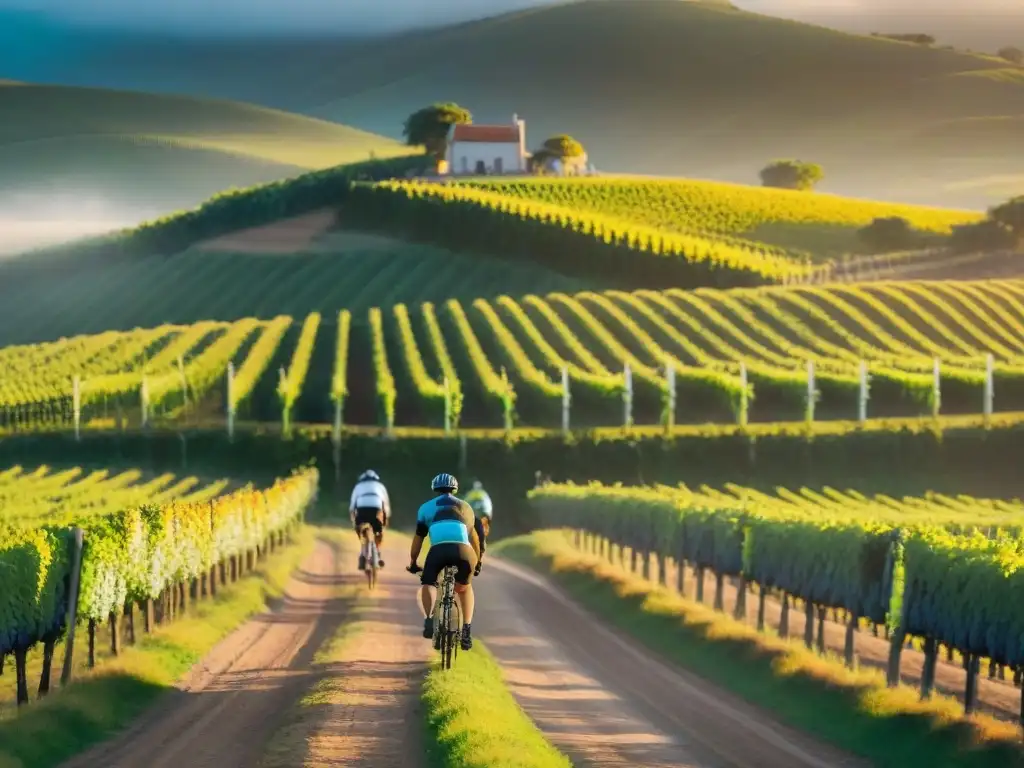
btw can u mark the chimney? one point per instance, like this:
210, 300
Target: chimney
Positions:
515, 118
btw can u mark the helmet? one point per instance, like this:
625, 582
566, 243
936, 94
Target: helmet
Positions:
369, 475
444, 483
477, 485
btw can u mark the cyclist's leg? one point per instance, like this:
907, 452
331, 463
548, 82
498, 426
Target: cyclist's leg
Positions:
432, 568
464, 592
378, 534
361, 520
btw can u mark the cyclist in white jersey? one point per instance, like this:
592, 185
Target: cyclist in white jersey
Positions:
371, 505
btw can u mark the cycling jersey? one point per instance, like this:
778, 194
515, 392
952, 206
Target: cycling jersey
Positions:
447, 520
481, 503
369, 494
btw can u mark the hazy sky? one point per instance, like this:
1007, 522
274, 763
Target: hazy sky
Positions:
247, 16
331, 16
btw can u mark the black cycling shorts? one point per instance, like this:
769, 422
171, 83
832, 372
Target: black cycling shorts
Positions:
369, 515
440, 556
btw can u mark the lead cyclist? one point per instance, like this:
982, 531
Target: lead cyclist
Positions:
483, 510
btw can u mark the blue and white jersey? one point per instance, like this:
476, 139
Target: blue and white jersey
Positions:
446, 520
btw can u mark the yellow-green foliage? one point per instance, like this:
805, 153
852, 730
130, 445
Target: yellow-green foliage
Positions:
808, 220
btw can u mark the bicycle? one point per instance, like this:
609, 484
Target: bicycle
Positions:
447, 632
372, 554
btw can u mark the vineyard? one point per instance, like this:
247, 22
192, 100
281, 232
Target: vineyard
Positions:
151, 545
580, 360
821, 225
97, 295
942, 569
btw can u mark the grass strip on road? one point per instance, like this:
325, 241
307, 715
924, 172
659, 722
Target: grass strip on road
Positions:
853, 710
474, 722
102, 701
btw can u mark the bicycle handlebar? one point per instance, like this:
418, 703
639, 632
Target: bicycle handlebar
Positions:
414, 568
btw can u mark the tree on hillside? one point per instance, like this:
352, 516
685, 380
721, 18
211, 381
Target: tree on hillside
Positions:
889, 234
792, 174
918, 38
563, 147
1012, 55
429, 127
987, 235
1011, 215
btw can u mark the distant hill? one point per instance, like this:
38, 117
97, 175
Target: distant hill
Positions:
71, 154
669, 87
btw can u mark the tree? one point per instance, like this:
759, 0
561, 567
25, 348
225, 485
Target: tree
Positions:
429, 127
987, 235
889, 234
918, 38
1012, 55
791, 174
563, 147
1011, 215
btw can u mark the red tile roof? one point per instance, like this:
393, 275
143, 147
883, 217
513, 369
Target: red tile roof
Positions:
491, 134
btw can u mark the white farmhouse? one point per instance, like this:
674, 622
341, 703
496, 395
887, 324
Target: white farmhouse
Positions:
488, 149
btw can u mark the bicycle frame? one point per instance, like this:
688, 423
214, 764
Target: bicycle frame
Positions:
447, 633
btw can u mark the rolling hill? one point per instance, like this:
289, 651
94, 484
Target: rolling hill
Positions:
669, 87
128, 156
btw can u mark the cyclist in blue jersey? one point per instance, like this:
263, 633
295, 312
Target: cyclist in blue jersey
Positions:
450, 524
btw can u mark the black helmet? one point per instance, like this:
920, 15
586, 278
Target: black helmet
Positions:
444, 483
369, 475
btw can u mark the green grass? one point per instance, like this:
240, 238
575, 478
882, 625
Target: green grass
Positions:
137, 153
475, 723
101, 702
852, 710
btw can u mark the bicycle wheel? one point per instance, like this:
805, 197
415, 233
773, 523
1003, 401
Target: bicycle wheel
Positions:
456, 633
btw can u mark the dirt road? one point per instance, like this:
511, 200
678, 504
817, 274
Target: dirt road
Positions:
597, 697
365, 710
605, 703
223, 712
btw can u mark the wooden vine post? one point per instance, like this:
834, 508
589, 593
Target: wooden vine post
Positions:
77, 542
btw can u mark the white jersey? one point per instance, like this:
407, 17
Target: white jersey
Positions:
369, 494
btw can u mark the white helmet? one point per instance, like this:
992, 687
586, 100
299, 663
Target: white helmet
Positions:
369, 475
477, 485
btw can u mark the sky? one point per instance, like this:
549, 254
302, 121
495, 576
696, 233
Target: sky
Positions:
244, 17
239, 17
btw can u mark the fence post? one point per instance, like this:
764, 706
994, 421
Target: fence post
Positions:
670, 382
566, 400
627, 397
989, 385
77, 407
144, 401
744, 415
184, 380
937, 388
810, 390
231, 402
77, 541
862, 400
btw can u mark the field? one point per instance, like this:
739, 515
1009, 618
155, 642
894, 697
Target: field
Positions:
103, 148
145, 543
819, 226
736, 356
941, 570
926, 125
49, 497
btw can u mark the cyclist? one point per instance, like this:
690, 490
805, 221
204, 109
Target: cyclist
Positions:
480, 501
370, 505
449, 521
